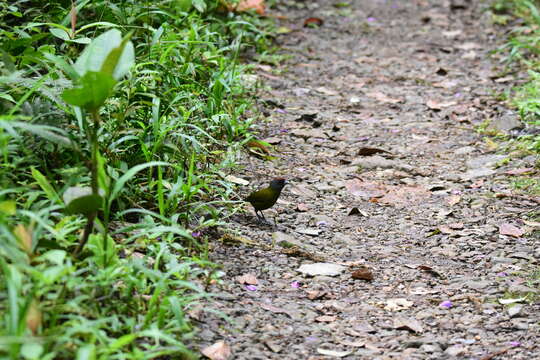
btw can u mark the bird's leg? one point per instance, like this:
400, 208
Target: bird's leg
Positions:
258, 216
266, 221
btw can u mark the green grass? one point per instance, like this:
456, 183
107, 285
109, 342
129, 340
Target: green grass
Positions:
110, 177
522, 53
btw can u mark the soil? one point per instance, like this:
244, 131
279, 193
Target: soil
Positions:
423, 249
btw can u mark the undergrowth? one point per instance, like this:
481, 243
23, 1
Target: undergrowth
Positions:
522, 51
118, 122
522, 54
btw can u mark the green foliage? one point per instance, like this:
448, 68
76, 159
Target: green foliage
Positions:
523, 50
112, 150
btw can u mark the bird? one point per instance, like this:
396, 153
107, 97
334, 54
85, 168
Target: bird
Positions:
266, 198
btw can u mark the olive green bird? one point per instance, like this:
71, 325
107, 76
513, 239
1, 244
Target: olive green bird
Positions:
266, 198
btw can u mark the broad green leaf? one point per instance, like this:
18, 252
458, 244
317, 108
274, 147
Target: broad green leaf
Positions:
59, 33
31, 350
95, 89
56, 257
75, 192
200, 5
46, 186
8, 207
86, 352
96, 53
85, 205
82, 40
80, 200
120, 59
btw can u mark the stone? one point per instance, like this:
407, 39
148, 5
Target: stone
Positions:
506, 123
326, 269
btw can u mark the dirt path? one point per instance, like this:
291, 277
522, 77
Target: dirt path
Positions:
410, 78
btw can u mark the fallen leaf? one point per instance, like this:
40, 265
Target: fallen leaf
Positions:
326, 318
217, 351
405, 195
272, 346
310, 232
441, 72
302, 207
364, 59
24, 235
408, 324
272, 140
511, 301
519, 171
398, 304
511, 230
236, 180
362, 274
275, 309
468, 46
368, 151
504, 79
531, 223
364, 188
248, 279
333, 353
453, 199
445, 229
313, 21
429, 270
326, 91
314, 294
436, 105
246, 5
383, 98
451, 34
254, 145
456, 226
446, 84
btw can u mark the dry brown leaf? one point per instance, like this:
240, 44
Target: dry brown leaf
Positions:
439, 105
302, 207
398, 304
453, 199
326, 91
383, 98
408, 324
33, 317
217, 351
313, 21
456, 226
468, 46
275, 309
368, 151
362, 274
333, 353
246, 5
326, 318
25, 238
314, 294
445, 230
519, 171
248, 279
405, 195
365, 188
510, 230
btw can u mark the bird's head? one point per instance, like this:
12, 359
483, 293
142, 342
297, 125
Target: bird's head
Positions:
277, 184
